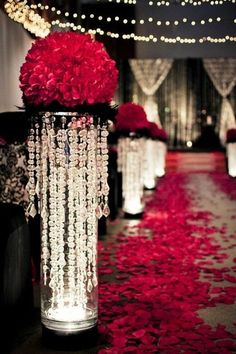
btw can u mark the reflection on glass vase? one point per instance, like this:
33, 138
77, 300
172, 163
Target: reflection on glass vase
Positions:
68, 167
130, 164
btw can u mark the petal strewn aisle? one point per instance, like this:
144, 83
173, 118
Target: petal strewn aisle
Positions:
159, 281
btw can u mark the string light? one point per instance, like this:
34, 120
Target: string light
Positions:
207, 2
210, 39
19, 11
182, 3
22, 13
142, 21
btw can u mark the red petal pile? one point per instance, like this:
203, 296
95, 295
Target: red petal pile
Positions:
150, 301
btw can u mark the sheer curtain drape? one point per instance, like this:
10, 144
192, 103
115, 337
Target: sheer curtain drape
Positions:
150, 74
14, 44
222, 72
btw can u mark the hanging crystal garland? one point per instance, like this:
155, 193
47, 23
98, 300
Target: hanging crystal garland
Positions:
68, 170
150, 164
161, 150
131, 164
231, 158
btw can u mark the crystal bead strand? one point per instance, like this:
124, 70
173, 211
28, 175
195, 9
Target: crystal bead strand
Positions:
129, 181
60, 210
37, 160
44, 204
99, 208
104, 171
53, 245
133, 168
155, 149
81, 211
124, 151
31, 170
142, 158
72, 171
119, 155
125, 172
91, 206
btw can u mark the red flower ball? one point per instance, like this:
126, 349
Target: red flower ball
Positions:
67, 68
162, 135
154, 130
157, 132
231, 135
131, 117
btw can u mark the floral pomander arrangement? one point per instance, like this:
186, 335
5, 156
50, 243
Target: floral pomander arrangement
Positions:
67, 69
231, 136
68, 81
157, 133
162, 135
153, 130
131, 118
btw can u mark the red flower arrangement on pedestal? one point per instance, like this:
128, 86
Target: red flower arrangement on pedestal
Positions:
131, 118
231, 135
67, 69
157, 133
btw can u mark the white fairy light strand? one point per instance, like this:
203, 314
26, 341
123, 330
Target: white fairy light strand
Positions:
175, 3
140, 38
151, 37
142, 21
125, 21
21, 12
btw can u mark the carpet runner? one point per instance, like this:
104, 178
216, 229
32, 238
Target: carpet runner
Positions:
196, 162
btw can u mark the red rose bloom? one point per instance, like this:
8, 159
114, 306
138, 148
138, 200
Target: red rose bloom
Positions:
68, 68
162, 135
131, 117
156, 132
231, 135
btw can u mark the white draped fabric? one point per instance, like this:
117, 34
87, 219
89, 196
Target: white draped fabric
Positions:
14, 44
222, 72
150, 74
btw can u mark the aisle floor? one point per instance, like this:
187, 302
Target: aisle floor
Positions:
150, 266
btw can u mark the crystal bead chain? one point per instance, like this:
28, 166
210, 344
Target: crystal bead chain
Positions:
104, 171
53, 242
99, 208
81, 212
61, 204
37, 160
119, 155
72, 171
91, 207
31, 170
142, 158
44, 204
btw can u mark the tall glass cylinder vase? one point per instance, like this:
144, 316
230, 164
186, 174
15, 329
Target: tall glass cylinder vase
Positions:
68, 168
150, 164
161, 149
231, 157
131, 163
